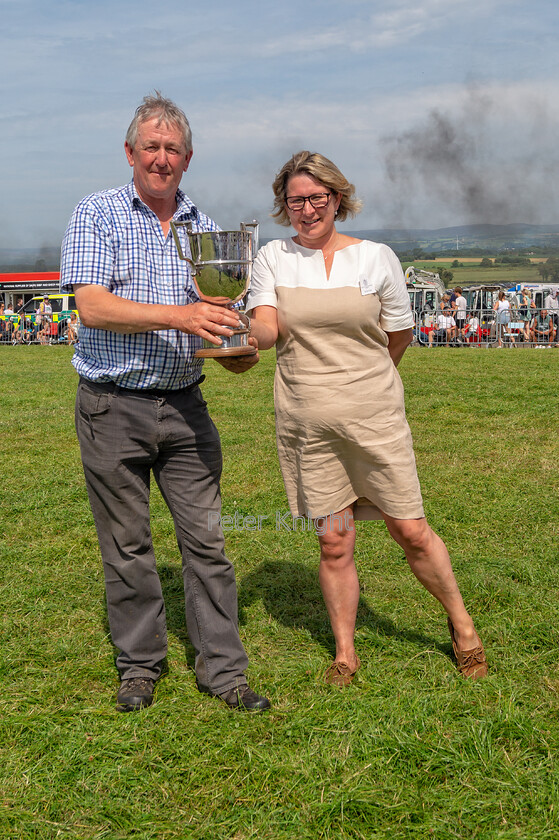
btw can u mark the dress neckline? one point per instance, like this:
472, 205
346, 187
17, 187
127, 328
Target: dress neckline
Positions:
327, 262
319, 250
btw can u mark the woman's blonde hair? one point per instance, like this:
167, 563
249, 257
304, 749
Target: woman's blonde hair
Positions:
321, 169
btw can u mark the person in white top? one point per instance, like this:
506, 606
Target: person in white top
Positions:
459, 313
471, 331
502, 308
551, 303
445, 329
338, 312
43, 318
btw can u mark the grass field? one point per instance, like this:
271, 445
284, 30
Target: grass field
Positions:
410, 750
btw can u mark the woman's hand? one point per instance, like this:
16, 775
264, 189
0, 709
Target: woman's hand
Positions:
239, 364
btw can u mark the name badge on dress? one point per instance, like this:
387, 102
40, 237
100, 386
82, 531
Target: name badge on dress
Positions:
367, 286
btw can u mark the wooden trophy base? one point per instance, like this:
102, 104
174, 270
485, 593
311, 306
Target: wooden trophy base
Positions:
216, 352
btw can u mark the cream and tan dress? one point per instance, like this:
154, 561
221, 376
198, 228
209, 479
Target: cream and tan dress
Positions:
342, 432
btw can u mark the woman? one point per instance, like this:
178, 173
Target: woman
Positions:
472, 332
338, 311
527, 309
73, 324
502, 308
43, 318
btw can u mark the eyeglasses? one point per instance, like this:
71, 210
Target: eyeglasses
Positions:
318, 201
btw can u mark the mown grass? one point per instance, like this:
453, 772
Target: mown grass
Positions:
409, 751
472, 273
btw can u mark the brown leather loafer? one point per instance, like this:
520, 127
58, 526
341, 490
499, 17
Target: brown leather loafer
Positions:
471, 663
339, 673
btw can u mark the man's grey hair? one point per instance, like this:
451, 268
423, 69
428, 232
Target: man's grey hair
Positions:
165, 111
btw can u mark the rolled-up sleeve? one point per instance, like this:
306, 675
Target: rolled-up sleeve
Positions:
395, 312
262, 290
87, 248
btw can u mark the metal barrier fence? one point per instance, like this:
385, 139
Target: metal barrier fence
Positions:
24, 330
481, 328
486, 328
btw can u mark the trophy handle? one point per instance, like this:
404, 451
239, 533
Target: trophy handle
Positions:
254, 225
182, 256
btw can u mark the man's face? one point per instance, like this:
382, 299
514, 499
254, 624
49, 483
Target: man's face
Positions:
159, 159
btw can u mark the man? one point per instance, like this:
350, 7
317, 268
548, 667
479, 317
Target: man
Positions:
551, 303
8, 313
139, 410
543, 330
445, 329
459, 313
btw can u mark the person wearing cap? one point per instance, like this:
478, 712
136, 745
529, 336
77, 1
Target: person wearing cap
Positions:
43, 319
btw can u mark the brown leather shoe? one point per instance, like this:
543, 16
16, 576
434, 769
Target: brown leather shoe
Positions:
135, 693
339, 673
471, 663
245, 699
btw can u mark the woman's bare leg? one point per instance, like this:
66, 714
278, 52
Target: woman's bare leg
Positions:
429, 560
338, 580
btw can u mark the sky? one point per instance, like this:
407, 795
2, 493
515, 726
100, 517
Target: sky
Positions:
440, 112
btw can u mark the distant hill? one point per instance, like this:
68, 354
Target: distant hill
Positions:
480, 239
488, 238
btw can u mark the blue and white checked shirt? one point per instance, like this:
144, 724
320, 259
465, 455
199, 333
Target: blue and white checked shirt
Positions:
115, 240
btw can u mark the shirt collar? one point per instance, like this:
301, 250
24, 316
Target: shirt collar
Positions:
186, 209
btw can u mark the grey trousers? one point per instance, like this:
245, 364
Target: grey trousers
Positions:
125, 435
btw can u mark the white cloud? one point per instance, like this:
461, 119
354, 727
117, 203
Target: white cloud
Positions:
388, 25
355, 81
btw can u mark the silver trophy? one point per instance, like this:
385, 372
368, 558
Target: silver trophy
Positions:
221, 265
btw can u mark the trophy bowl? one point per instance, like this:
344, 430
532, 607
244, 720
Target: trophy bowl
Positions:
221, 265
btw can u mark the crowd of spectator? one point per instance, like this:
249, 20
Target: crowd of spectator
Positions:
525, 322
18, 327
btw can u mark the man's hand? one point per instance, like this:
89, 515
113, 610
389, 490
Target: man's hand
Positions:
239, 364
205, 320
